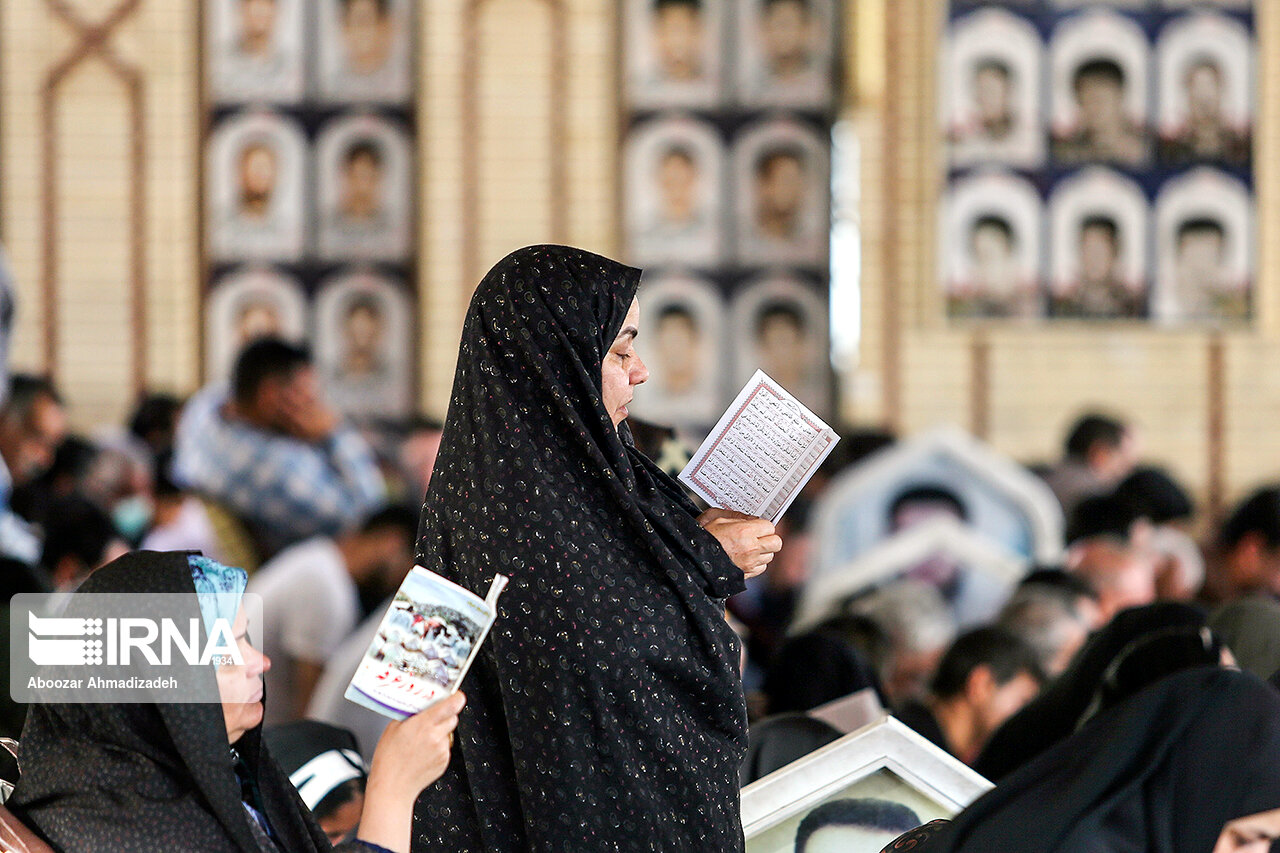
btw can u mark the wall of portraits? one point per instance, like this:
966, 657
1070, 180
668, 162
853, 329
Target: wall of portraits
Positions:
727, 196
309, 189
1099, 161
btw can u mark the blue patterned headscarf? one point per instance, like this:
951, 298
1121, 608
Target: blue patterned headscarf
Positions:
218, 588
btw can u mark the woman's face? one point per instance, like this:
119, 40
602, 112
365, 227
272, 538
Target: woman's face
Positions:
241, 686
622, 369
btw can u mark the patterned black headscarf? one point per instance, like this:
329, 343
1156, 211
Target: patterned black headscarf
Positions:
150, 777
605, 711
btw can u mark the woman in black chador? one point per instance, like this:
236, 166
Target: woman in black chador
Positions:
605, 711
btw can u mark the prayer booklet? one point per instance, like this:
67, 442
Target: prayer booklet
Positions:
764, 449
425, 644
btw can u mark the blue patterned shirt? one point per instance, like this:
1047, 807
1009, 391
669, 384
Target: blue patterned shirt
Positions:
287, 488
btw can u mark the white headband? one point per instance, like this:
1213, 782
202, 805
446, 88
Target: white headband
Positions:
315, 779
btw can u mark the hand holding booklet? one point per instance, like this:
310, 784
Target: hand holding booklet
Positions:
763, 450
427, 641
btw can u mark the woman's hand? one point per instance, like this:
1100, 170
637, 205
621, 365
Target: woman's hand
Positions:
411, 754
749, 541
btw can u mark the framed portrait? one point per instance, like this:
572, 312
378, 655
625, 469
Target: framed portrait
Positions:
859, 793
1205, 75
1099, 85
1114, 4
780, 327
364, 343
256, 188
991, 233
253, 51
786, 53
991, 90
674, 53
782, 196
1204, 249
365, 51
363, 181
1098, 223
684, 325
247, 304
1001, 500
675, 180
986, 569
1236, 5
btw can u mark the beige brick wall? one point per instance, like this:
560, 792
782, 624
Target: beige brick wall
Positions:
1038, 379
1035, 381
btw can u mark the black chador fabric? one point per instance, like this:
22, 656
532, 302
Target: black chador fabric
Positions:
1162, 772
1057, 711
605, 711
150, 777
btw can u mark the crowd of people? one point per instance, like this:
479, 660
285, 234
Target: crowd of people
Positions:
609, 711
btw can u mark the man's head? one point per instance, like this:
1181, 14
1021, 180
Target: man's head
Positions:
919, 626
678, 34
1099, 247
780, 330
781, 182
1053, 612
678, 183
991, 240
257, 26
992, 90
79, 538
1123, 576
677, 347
989, 673
33, 423
786, 32
258, 170
1106, 445
853, 824
267, 374
1203, 80
366, 33
418, 452
919, 504
360, 196
256, 318
1099, 89
380, 551
1200, 249
363, 325
1250, 543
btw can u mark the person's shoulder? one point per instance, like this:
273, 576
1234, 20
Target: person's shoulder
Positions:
312, 557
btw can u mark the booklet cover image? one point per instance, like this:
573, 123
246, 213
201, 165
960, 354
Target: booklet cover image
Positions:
423, 647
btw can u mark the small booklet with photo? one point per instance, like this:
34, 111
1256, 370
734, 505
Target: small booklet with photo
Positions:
762, 451
424, 645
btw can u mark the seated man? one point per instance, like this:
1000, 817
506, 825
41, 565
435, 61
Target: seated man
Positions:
273, 452
311, 600
985, 677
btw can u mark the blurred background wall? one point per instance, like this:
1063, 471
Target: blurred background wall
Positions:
519, 119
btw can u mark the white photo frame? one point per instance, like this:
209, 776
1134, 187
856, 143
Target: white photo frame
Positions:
1013, 506
885, 759
258, 157
242, 71
379, 230
887, 560
650, 85
365, 59
686, 389
996, 38
248, 303
1204, 195
670, 222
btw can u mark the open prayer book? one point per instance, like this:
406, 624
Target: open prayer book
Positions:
427, 640
763, 450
